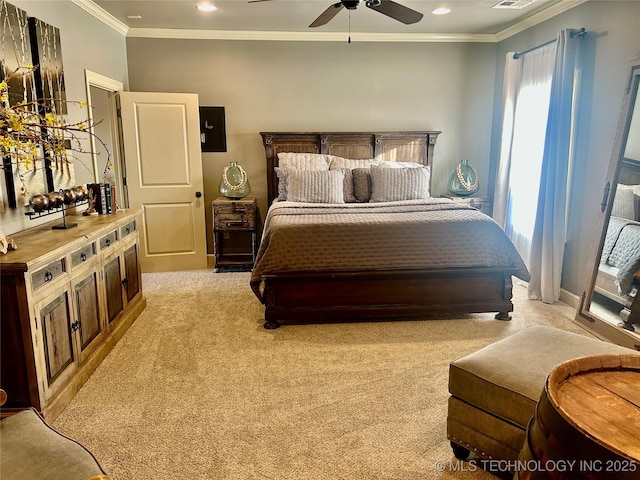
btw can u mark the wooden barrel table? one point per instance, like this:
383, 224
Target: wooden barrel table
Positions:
587, 422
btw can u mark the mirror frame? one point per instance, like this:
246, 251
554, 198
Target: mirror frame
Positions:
584, 316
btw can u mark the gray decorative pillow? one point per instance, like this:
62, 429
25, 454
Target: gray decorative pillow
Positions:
395, 184
282, 183
362, 184
624, 203
325, 186
349, 194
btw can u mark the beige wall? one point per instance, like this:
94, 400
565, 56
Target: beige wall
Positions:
86, 44
322, 86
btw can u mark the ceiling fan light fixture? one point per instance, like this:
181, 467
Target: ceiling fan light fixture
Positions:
206, 7
441, 11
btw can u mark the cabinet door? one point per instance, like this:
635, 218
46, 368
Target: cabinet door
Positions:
54, 317
113, 287
87, 304
133, 272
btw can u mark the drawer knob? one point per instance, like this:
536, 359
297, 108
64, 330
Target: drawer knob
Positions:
107, 242
48, 276
83, 256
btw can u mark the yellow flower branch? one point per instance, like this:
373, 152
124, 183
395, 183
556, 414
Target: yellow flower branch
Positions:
24, 128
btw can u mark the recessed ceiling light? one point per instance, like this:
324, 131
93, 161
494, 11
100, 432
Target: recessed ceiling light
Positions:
206, 7
134, 17
441, 11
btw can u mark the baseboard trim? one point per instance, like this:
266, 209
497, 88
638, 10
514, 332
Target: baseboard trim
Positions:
569, 298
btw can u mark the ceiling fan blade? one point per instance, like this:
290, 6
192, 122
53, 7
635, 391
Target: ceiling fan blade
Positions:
327, 15
395, 10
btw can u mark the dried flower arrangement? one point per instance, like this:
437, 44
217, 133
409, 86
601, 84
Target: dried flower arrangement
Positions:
34, 137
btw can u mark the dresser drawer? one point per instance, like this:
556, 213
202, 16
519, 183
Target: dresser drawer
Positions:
48, 273
83, 254
128, 229
109, 239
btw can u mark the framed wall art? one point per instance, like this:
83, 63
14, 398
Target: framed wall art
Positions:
47, 55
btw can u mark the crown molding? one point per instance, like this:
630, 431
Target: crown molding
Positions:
98, 12
305, 36
537, 18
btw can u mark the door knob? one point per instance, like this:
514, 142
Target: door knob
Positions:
198, 194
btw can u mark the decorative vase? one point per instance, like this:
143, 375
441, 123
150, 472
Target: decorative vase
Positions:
234, 183
464, 180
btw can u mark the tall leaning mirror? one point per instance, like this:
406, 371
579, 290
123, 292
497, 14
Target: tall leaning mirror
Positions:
610, 303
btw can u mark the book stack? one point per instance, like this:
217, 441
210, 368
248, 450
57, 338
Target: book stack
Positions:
103, 195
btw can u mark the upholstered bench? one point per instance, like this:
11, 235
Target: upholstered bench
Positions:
494, 391
30, 449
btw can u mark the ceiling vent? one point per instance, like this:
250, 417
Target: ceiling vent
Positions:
517, 4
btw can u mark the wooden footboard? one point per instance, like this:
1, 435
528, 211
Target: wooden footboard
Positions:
299, 298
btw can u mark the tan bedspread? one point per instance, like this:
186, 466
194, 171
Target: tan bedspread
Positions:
433, 233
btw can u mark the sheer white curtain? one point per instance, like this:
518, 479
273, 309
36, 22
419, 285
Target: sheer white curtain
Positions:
526, 106
549, 234
531, 185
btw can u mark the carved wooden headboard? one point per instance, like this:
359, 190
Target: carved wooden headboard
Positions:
391, 146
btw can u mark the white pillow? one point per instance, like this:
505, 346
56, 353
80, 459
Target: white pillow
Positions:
388, 164
624, 203
338, 163
295, 162
302, 161
316, 186
394, 184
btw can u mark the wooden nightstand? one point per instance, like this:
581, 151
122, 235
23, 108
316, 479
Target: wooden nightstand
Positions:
235, 233
481, 203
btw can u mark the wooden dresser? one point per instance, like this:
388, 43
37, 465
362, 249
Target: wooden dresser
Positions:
67, 297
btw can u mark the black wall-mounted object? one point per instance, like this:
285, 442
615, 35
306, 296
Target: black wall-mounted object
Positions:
213, 136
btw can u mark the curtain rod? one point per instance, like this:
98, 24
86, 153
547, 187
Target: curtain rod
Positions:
575, 33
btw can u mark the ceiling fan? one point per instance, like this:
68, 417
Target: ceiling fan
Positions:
386, 7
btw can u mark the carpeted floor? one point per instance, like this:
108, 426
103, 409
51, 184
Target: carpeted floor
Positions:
197, 389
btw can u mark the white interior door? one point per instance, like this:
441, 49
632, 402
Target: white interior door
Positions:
161, 142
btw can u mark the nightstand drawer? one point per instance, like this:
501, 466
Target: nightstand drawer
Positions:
233, 216
484, 204
479, 203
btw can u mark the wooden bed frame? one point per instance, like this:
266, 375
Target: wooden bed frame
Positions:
313, 297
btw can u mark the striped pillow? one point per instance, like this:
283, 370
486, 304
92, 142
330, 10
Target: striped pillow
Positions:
295, 162
310, 186
395, 184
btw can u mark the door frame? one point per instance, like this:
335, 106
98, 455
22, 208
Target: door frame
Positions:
112, 87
